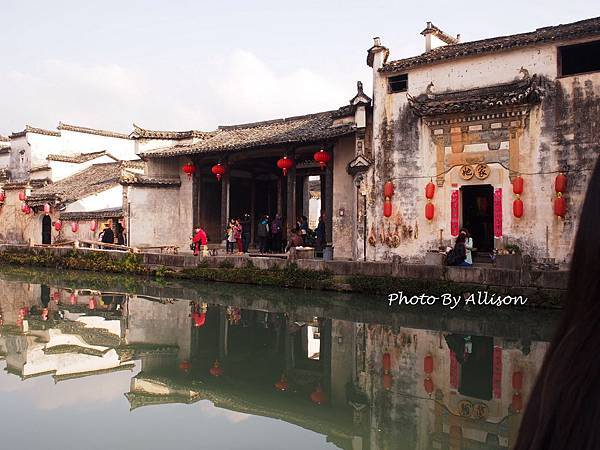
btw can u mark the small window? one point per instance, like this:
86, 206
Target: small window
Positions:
398, 83
580, 58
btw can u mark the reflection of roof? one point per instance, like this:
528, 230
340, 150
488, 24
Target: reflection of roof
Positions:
589, 27
70, 376
306, 129
79, 157
479, 99
78, 129
111, 213
90, 181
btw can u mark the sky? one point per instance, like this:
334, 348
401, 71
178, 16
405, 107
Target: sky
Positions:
180, 64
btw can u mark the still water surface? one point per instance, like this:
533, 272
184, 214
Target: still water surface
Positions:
98, 362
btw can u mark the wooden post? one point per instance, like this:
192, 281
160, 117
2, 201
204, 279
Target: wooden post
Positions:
291, 194
253, 220
329, 199
224, 202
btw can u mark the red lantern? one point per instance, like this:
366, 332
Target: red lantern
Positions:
322, 157
387, 208
58, 225
185, 365
218, 170
388, 189
25, 208
517, 402
92, 303
387, 362
428, 364
428, 385
46, 208
317, 396
429, 211
2, 196
74, 227
56, 296
560, 184
73, 298
216, 370
517, 184
517, 380
388, 381
429, 190
22, 196
518, 208
282, 384
189, 169
560, 206
199, 319
285, 164
93, 225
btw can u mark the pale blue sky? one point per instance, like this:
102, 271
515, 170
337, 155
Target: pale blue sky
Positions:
194, 64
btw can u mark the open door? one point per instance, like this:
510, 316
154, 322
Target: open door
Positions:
478, 215
46, 230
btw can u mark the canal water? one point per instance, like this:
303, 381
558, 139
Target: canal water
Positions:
104, 362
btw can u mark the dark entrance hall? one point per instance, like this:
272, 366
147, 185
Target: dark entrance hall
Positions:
478, 215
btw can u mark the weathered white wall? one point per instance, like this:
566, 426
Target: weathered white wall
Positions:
162, 216
110, 198
552, 140
60, 170
73, 142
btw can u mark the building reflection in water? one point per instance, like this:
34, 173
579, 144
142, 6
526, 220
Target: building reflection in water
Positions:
366, 380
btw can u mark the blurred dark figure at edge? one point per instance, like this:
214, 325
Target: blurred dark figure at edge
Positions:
563, 411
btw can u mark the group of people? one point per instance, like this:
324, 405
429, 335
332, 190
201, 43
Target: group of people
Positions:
234, 236
107, 235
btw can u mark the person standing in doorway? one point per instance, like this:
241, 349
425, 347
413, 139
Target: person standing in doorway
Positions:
263, 233
120, 234
276, 230
230, 238
237, 235
246, 227
320, 232
304, 229
107, 236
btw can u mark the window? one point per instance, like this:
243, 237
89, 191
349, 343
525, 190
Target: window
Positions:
398, 83
580, 58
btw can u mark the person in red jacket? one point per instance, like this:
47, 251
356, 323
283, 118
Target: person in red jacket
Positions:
199, 239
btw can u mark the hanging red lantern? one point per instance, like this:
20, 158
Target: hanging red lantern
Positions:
517, 380
25, 208
387, 362
388, 381
560, 183
518, 208
317, 396
189, 169
58, 225
388, 189
185, 366
517, 185
428, 364
74, 227
517, 402
199, 319
322, 157
285, 164
2, 196
73, 298
429, 211
93, 226
92, 303
56, 296
560, 206
218, 170
46, 208
428, 385
429, 190
216, 370
22, 196
387, 208
282, 384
